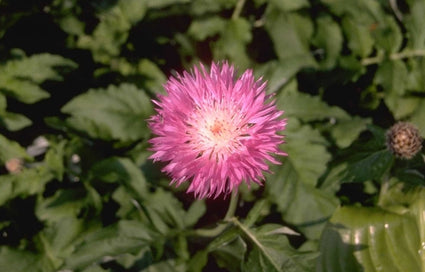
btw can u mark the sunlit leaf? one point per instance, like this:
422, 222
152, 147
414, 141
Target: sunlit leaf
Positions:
370, 239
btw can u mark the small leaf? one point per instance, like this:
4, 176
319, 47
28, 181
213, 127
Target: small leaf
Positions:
117, 113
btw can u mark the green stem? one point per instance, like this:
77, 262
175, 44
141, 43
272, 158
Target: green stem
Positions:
221, 227
396, 56
238, 9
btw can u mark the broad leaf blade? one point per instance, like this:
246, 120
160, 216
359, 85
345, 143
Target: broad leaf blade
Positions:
117, 113
370, 239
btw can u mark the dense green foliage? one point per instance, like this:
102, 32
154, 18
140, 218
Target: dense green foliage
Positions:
78, 192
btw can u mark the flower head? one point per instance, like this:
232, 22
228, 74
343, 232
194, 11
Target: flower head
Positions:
216, 130
404, 140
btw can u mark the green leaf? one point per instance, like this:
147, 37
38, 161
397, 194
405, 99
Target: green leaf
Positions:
279, 74
388, 35
164, 211
414, 22
54, 159
293, 103
124, 172
164, 3
194, 213
170, 265
202, 7
290, 5
290, 34
94, 268
116, 113
418, 117
345, 132
310, 164
124, 237
371, 166
230, 255
231, 45
329, 39
37, 68
27, 182
300, 204
63, 204
11, 150
14, 121
57, 240
392, 76
416, 74
206, 27
11, 121
155, 78
20, 78
402, 107
359, 38
23, 261
370, 239
113, 29
271, 251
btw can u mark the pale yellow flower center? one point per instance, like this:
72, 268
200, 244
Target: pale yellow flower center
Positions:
216, 131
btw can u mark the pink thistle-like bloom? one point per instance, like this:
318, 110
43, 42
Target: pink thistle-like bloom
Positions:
216, 130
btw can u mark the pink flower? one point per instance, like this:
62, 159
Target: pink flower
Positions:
216, 130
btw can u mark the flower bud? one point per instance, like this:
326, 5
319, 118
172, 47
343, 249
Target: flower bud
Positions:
404, 140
